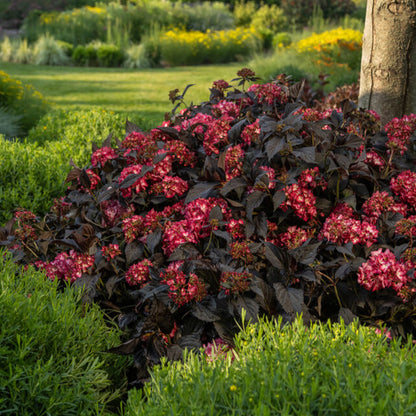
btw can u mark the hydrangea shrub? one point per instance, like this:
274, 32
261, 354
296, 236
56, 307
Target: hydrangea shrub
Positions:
250, 201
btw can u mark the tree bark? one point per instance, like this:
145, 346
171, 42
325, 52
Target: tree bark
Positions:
388, 64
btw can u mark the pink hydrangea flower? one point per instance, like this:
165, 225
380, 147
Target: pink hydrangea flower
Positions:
101, 156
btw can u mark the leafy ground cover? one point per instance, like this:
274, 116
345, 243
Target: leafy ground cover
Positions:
250, 201
324, 369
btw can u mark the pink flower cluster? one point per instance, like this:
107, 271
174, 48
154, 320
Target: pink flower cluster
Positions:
312, 178
251, 133
236, 228
374, 159
234, 158
241, 250
382, 270
183, 288
380, 203
102, 155
24, 227
294, 237
60, 207
67, 266
268, 93
139, 185
310, 114
301, 200
170, 186
227, 108
216, 135
404, 185
113, 212
399, 131
221, 85
235, 282
111, 251
342, 227
407, 227
138, 274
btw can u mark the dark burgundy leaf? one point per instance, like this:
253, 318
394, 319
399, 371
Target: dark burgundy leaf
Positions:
278, 198
271, 254
174, 352
306, 154
134, 252
250, 306
107, 141
254, 200
306, 254
346, 315
206, 310
170, 131
153, 239
127, 348
106, 192
200, 190
274, 146
238, 183
73, 175
131, 127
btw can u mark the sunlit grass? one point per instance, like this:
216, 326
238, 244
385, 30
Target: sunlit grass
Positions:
141, 92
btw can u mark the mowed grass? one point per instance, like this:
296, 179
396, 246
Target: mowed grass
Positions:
143, 93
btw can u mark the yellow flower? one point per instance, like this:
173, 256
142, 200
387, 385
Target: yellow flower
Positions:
233, 388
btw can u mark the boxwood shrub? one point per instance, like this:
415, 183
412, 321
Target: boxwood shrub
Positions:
275, 369
53, 358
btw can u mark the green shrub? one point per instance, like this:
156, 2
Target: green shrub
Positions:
244, 12
23, 54
287, 370
86, 55
67, 47
6, 50
109, 55
23, 100
137, 57
204, 16
9, 123
48, 51
32, 172
52, 350
281, 40
193, 48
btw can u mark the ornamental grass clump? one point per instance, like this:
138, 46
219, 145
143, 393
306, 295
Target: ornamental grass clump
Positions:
249, 201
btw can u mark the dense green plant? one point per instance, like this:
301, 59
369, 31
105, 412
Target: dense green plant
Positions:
137, 57
23, 53
86, 55
204, 16
112, 22
281, 40
109, 55
23, 100
32, 172
48, 51
13, 12
9, 123
193, 48
249, 201
298, 12
278, 369
53, 349
244, 12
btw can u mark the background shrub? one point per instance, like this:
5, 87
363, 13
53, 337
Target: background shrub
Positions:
32, 172
109, 55
86, 55
202, 17
287, 370
137, 57
22, 100
48, 51
192, 48
53, 358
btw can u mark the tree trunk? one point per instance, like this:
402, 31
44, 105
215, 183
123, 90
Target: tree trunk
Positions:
388, 64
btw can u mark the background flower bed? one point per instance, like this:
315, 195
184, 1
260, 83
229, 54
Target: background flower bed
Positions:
248, 201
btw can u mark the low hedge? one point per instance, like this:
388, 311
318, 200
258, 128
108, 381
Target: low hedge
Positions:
52, 350
32, 172
276, 369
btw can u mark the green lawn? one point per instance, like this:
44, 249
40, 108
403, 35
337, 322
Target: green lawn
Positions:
142, 92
